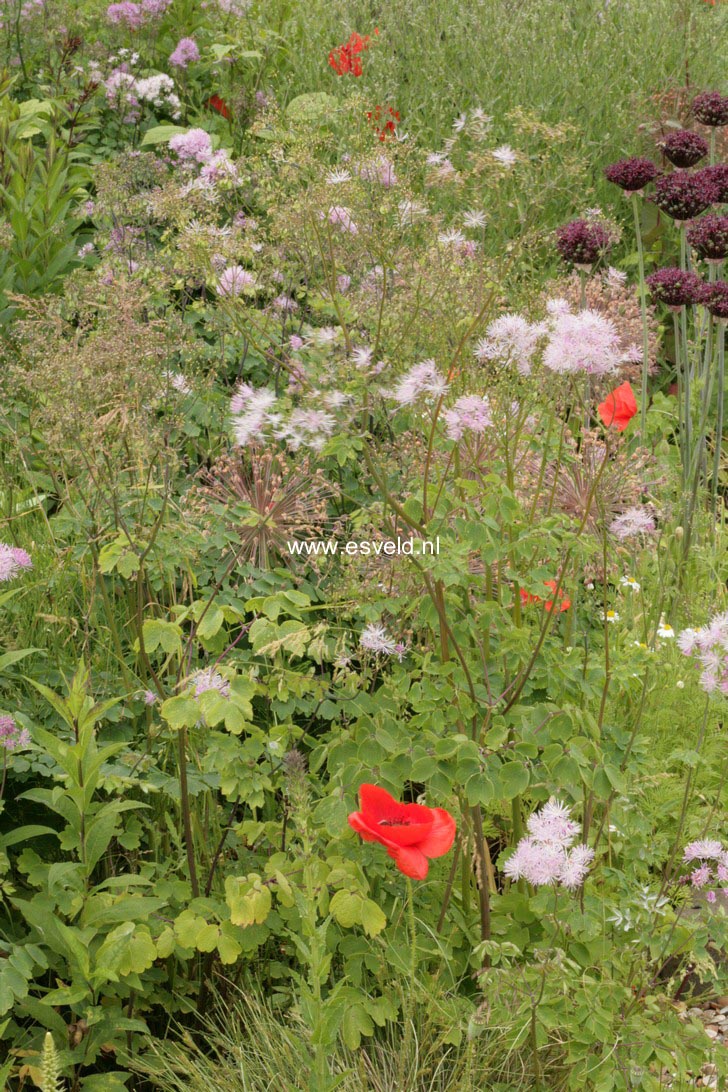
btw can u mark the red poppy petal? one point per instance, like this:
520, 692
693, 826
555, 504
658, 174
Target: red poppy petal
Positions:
411, 861
376, 803
441, 835
358, 823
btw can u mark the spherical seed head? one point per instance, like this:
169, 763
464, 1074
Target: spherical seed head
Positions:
684, 148
708, 237
711, 108
684, 196
674, 287
582, 241
632, 174
715, 298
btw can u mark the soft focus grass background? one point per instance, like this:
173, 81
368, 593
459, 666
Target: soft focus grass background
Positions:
594, 63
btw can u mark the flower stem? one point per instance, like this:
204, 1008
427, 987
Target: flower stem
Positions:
409, 1004
720, 327
643, 312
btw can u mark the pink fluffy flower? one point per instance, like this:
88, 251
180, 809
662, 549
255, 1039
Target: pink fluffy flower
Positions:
13, 560
511, 337
340, 218
185, 53
233, 280
471, 413
582, 342
546, 855
11, 736
423, 378
194, 145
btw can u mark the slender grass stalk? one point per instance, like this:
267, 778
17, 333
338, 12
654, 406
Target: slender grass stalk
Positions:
408, 1009
720, 327
643, 313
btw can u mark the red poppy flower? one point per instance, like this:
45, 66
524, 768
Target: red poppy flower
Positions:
618, 408
409, 832
218, 104
564, 601
389, 126
347, 57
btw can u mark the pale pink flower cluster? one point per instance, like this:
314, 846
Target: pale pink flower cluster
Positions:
341, 218
582, 342
711, 871
195, 146
185, 53
709, 646
13, 560
11, 736
381, 170
634, 521
547, 854
423, 378
233, 280
471, 413
512, 338
209, 679
255, 419
375, 638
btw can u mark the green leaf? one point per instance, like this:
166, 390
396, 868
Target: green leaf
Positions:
346, 907
356, 1023
514, 778
373, 918
161, 134
180, 712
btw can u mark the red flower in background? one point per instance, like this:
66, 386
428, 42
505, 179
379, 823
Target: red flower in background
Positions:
411, 833
389, 127
564, 601
618, 408
347, 57
216, 103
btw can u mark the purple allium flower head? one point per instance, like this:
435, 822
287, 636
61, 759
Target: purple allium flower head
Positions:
715, 298
674, 287
583, 342
582, 241
195, 144
684, 148
471, 413
717, 175
711, 108
632, 175
684, 196
185, 52
233, 280
708, 237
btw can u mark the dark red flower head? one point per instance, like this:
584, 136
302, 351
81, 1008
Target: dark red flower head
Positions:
684, 148
717, 176
711, 108
715, 298
618, 408
582, 241
708, 237
632, 174
411, 833
684, 196
674, 287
